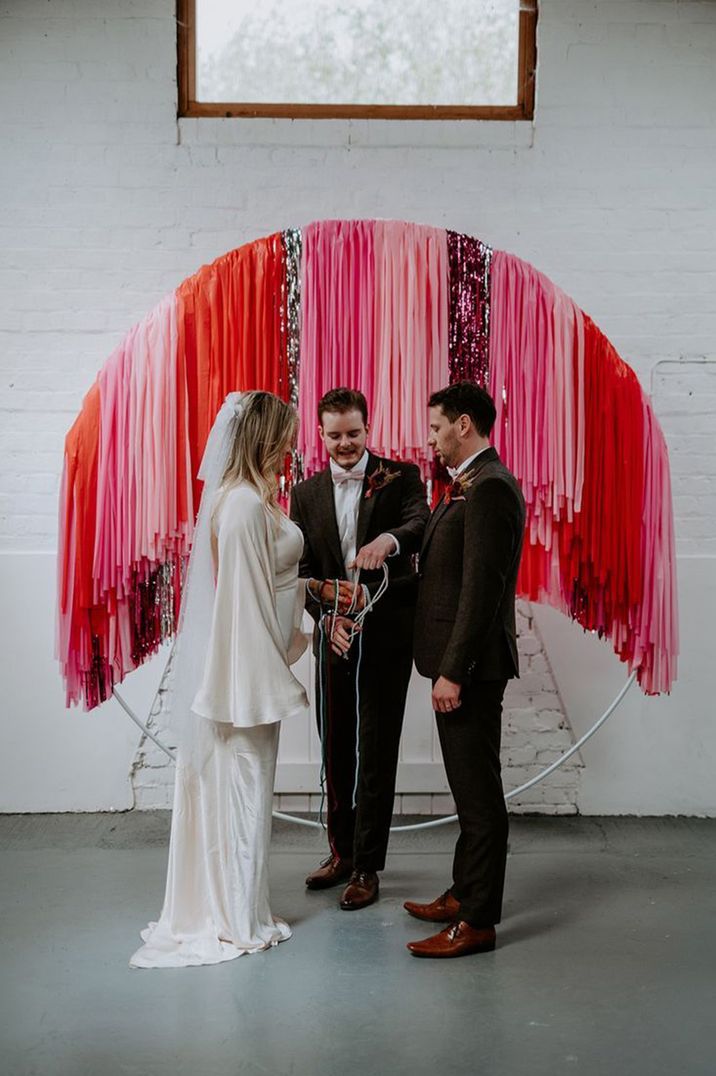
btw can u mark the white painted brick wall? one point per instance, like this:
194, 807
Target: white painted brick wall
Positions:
684, 394
107, 203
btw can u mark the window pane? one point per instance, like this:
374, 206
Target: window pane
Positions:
368, 52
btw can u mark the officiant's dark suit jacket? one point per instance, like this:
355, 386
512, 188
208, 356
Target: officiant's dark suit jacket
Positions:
470, 556
399, 508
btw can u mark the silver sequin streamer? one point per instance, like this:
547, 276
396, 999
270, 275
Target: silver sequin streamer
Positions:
165, 600
290, 327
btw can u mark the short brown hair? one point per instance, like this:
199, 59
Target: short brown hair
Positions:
467, 398
342, 400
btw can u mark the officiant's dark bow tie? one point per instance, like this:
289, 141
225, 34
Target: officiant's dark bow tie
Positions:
348, 476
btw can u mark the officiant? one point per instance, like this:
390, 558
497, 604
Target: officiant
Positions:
353, 514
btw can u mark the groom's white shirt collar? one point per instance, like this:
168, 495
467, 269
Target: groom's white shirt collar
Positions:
455, 471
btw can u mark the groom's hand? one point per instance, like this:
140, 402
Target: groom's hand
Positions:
375, 554
446, 695
339, 633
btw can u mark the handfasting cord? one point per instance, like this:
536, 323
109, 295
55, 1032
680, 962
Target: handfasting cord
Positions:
370, 601
323, 686
354, 801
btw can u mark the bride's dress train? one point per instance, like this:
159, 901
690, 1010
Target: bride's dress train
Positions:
221, 828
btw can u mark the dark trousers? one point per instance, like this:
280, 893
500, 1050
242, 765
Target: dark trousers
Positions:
470, 742
361, 833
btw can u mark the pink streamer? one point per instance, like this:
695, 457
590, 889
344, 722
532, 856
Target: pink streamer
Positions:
537, 382
374, 317
337, 319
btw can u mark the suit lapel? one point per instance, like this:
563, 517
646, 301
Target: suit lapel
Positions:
367, 504
327, 522
437, 514
475, 467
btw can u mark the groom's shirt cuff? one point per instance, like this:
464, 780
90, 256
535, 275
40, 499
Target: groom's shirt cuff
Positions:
397, 543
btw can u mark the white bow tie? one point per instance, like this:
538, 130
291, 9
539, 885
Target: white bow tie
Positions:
347, 476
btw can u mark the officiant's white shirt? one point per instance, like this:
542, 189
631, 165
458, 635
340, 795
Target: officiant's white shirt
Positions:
346, 499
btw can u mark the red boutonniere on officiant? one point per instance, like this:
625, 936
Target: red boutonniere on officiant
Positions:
381, 477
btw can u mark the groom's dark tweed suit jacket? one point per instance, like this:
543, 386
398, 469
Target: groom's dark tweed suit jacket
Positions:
465, 617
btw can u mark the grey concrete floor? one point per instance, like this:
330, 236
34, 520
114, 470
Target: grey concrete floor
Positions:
606, 960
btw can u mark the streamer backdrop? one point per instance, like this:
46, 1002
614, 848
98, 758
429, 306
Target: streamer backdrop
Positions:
397, 310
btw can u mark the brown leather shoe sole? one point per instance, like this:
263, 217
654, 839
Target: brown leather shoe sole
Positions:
460, 939
485, 947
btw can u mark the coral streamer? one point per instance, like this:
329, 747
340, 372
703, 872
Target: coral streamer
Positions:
130, 482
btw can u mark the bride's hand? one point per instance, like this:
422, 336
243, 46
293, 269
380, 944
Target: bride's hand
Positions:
350, 596
339, 632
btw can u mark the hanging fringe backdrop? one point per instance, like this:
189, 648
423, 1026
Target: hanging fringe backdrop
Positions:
398, 310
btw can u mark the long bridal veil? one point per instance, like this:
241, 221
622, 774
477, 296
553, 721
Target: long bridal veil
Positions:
216, 901
194, 629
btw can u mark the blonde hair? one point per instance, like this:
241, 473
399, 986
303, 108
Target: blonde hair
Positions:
264, 431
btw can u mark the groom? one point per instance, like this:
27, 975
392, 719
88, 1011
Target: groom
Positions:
378, 506
465, 641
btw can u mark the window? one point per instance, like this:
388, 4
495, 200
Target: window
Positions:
380, 59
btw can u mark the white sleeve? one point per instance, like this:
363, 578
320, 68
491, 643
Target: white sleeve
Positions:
300, 640
247, 680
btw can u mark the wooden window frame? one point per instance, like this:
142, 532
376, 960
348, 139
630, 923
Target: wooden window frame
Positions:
523, 110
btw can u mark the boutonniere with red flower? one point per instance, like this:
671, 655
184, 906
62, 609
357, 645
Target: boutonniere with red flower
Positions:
381, 477
458, 488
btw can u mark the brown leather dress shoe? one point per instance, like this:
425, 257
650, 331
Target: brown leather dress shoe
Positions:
444, 909
361, 891
332, 871
460, 939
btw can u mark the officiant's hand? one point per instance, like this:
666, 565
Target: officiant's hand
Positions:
339, 632
446, 695
375, 553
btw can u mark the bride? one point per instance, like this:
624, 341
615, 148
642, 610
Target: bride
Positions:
238, 635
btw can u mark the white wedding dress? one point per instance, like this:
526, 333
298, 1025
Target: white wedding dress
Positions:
216, 904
